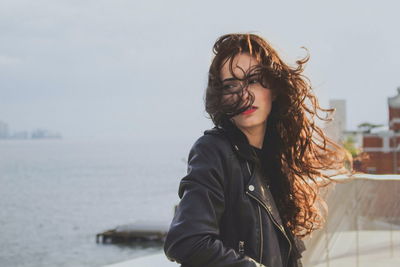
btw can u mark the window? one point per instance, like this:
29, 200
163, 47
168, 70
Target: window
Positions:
371, 170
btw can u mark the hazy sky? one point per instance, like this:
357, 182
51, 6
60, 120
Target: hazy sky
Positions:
137, 69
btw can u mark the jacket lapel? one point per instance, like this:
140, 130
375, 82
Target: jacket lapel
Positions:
257, 188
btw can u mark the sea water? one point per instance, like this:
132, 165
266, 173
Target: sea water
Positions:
56, 195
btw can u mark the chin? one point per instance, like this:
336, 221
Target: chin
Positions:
249, 123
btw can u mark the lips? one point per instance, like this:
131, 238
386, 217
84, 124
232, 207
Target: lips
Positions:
250, 110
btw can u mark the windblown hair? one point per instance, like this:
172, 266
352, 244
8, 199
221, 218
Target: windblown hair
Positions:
301, 158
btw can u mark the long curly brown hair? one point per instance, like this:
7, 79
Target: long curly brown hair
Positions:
301, 158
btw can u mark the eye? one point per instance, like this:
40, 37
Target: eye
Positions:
231, 86
227, 86
253, 81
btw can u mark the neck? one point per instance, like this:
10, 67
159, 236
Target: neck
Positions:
255, 135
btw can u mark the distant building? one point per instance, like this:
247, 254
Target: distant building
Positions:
335, 129
382, 147
4, 132
20, 135
44, 134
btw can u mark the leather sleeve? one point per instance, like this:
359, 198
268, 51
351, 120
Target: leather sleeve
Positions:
193, 237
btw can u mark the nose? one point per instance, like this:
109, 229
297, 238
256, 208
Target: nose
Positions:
246, 98
246, 93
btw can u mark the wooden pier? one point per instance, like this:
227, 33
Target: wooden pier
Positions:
139, 231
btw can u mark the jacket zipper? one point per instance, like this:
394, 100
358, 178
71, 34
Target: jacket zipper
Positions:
261, 234
272, 218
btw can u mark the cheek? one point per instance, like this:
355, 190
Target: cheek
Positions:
229, 99
265, 97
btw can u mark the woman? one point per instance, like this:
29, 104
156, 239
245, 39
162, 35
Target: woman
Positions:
251, 191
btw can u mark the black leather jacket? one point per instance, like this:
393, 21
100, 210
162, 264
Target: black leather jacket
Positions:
226, 216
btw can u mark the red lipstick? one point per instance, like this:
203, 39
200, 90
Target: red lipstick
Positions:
249, 111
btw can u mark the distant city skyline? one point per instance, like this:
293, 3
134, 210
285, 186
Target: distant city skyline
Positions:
38, 133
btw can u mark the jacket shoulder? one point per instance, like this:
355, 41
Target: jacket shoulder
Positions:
212, 146
207, 161
214, 131
215, 140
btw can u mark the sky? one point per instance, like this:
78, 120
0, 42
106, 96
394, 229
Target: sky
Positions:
138, 69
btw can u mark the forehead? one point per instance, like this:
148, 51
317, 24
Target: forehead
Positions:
241, 64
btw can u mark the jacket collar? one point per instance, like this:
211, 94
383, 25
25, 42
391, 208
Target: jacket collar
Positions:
237, 138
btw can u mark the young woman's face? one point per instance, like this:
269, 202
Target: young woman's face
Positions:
243, 64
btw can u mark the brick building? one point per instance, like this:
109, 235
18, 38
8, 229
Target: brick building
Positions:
383, 147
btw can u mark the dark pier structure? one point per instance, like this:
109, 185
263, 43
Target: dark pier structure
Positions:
138, 231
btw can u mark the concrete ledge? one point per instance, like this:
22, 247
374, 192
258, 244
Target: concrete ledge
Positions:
159, 260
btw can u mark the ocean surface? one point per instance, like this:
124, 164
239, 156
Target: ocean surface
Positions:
56, 195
